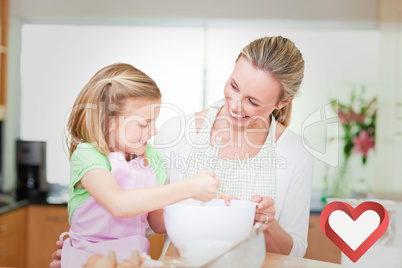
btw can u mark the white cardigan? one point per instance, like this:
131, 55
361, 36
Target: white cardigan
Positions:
294, 174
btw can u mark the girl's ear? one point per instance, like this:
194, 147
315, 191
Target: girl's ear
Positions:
284, 103
112, 124
108, 125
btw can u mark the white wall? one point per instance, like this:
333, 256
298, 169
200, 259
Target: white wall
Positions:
342, 14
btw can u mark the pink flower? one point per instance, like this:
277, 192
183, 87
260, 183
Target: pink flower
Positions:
363, 143
347, 116
343, 117
357, 117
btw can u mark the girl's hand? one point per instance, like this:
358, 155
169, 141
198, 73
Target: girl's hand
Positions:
265, 212
204, 186
227, 198
56, 256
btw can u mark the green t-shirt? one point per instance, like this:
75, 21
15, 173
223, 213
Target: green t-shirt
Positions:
87, 157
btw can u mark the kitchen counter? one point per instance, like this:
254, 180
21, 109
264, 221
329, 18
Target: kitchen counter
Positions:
172, 259
12, 205
8, 202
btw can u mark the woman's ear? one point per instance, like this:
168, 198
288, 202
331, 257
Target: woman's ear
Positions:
284, 103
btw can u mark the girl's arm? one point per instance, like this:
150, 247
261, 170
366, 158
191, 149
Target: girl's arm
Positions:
101, 185
156, 222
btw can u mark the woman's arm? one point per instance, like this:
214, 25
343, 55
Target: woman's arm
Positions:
101, 185
295, 192
277, 240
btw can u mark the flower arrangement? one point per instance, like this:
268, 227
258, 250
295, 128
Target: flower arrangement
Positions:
358, 120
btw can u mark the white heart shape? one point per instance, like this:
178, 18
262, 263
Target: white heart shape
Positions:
354, 233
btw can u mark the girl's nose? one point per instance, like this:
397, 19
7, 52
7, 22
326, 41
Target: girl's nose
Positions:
153, 131
150, 131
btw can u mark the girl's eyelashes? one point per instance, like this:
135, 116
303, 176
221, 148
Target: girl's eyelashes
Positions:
143, 124
233, 86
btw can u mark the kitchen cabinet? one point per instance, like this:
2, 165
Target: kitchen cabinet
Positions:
44, 225
12, 238
156, 245
320, 247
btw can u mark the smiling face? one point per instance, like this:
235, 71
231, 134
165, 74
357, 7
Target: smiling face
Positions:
251, 94
130, 131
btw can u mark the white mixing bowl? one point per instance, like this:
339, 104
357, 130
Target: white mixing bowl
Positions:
188, 221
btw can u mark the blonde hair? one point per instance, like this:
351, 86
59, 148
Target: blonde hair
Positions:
280, 57
102, 98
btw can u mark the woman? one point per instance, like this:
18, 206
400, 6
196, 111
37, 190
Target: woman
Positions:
259, 155
260, 158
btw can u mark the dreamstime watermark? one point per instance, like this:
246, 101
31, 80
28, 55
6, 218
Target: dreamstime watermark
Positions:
185, 131
330, 155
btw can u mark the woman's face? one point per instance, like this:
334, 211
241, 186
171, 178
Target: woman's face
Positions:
251, 94
129, 132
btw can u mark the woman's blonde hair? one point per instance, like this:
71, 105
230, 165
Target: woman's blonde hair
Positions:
101, 99
280, 57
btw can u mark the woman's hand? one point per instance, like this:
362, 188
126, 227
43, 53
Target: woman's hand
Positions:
265, 212
204, 186
227, 198
56, 256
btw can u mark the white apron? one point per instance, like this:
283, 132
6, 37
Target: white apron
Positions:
239, 178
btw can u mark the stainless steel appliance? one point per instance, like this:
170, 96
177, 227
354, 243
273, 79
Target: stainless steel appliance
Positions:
31, 169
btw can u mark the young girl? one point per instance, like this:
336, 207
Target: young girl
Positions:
114, 173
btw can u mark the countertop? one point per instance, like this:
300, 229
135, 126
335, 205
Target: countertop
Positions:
173, 259
8, 201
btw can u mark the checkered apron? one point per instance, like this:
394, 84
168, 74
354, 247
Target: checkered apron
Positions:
239, 178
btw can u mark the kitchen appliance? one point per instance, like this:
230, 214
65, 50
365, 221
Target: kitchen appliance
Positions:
31, 169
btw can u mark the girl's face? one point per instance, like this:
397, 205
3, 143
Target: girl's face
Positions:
251, 94
129, 132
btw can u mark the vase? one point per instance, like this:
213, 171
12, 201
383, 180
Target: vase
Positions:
339, 186
352, 178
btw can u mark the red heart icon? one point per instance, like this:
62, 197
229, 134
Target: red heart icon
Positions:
354, 214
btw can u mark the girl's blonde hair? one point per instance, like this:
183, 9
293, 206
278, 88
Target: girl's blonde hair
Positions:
102, 98
280, 57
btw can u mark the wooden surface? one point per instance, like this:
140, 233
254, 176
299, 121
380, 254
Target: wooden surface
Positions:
320, 247
12, 238
44, 225
156, 242
173, 259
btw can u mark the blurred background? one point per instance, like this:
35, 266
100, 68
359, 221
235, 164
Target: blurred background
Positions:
349, 107
189, 49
